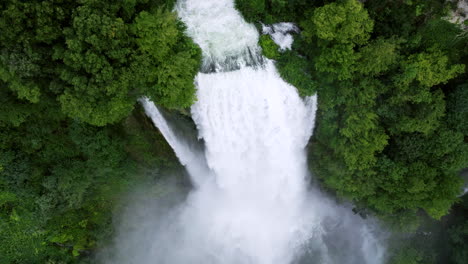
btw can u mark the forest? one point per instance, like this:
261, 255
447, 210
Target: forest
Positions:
391, 133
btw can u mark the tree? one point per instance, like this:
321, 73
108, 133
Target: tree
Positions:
457, 109
96, 77
407, 256
167, 59
337, 29
92, 56
383, 138
273, 11
342, 22
378, 56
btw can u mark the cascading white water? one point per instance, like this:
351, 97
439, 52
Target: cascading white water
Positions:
252, 205
281, 34
189, 157
226, 40
255, 128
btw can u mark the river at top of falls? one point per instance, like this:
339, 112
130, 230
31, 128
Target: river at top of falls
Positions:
227, 42
251, 203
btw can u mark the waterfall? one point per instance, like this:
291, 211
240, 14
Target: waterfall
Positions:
251, 203
191, 158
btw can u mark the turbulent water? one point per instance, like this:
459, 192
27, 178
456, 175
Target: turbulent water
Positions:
281, 34
227, 42
251, 203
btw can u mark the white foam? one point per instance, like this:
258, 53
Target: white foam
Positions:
460, 14
281, 34
218, 28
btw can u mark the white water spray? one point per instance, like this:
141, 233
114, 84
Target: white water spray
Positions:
281, 34
191, 158
255, 207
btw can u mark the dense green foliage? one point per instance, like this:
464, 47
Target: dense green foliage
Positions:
96, 57
269, 47
71, 142
407, 256
385, 137
272, 11
442, 241
458, 234
60, 179
295, 70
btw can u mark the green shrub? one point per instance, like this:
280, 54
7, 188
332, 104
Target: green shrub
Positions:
294, 70
269, 47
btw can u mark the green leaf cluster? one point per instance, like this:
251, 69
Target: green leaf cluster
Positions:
273, 11
61, 179
269, 47
385, 137
96, 57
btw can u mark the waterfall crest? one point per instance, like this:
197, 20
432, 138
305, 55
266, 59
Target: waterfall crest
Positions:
188, 156
227, 42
